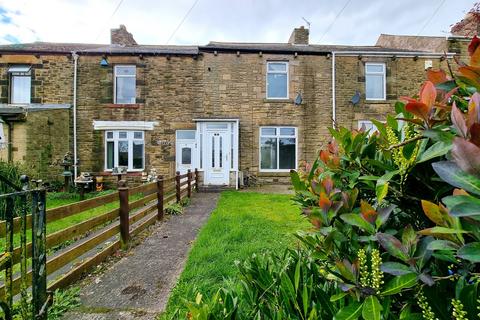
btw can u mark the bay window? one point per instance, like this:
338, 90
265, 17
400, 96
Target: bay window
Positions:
278, 148
125, 149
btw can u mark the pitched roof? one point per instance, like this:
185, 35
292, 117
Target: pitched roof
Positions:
290, 48
90, 48
422, 43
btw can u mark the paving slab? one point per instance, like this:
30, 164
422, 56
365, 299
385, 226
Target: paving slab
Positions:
138, 286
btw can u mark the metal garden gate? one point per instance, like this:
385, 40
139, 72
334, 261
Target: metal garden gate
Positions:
20, 209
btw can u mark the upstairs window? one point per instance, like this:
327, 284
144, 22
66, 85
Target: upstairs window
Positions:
375, 81
278, 148
125, 149
20, 84
277, 80
125, 84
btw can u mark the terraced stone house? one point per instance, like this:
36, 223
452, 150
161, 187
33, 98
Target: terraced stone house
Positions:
232, 110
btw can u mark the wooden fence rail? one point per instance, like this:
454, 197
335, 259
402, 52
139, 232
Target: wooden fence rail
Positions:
123, 221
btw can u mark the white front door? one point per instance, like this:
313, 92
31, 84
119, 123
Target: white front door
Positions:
185, 150
217, 166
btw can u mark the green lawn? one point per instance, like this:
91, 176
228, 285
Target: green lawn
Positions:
242, 224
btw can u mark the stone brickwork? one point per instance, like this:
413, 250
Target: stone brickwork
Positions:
174, 89
404, 77
40, 138
122, 36
47, 142
299, 36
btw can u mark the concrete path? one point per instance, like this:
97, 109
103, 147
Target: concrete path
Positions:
138, 286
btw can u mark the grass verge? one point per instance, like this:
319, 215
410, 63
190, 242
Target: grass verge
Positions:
242, 224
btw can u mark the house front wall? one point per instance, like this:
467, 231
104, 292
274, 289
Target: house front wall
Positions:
404, 77
174, 91
39, 139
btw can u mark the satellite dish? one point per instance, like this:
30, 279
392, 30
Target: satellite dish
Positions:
356, 98
298, 99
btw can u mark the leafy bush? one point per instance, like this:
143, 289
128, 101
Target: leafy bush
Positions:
174, 209
396, 216
11, 172
63, 301
185, 202
271, 287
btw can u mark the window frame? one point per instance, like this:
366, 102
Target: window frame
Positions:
286, 63
383, 73
277, 136
13, 74
373, 128
115, 139
123, 76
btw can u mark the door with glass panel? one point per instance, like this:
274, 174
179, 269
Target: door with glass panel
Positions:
217, 164
185, 150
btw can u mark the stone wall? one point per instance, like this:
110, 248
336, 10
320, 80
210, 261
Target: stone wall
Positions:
404, 77
40, 138
47, 142
178, 89
174, 90
235, 86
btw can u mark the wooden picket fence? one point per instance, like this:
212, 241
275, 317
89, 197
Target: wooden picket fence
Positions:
120, 221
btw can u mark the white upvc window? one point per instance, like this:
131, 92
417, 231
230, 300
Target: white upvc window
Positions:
278, 149
124, 87
125, 149
375, 81
277, 80
20, 84
367, 125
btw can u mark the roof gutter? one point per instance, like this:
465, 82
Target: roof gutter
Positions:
257, 50
398, 54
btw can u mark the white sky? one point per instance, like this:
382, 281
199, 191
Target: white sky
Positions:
153, 22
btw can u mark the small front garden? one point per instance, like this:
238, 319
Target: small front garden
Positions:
242, 224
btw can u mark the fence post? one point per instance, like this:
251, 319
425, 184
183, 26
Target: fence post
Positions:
124, 212
160, 197
196, 180
189, 180
177, 185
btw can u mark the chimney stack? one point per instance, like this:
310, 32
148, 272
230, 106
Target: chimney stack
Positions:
122, 37
299, 36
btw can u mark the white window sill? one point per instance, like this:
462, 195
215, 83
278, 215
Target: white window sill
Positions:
128, 171
376, 100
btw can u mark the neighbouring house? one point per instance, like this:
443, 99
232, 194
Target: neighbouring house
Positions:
232, 110
35, 100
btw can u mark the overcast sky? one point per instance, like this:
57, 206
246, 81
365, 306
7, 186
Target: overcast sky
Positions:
154, 22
